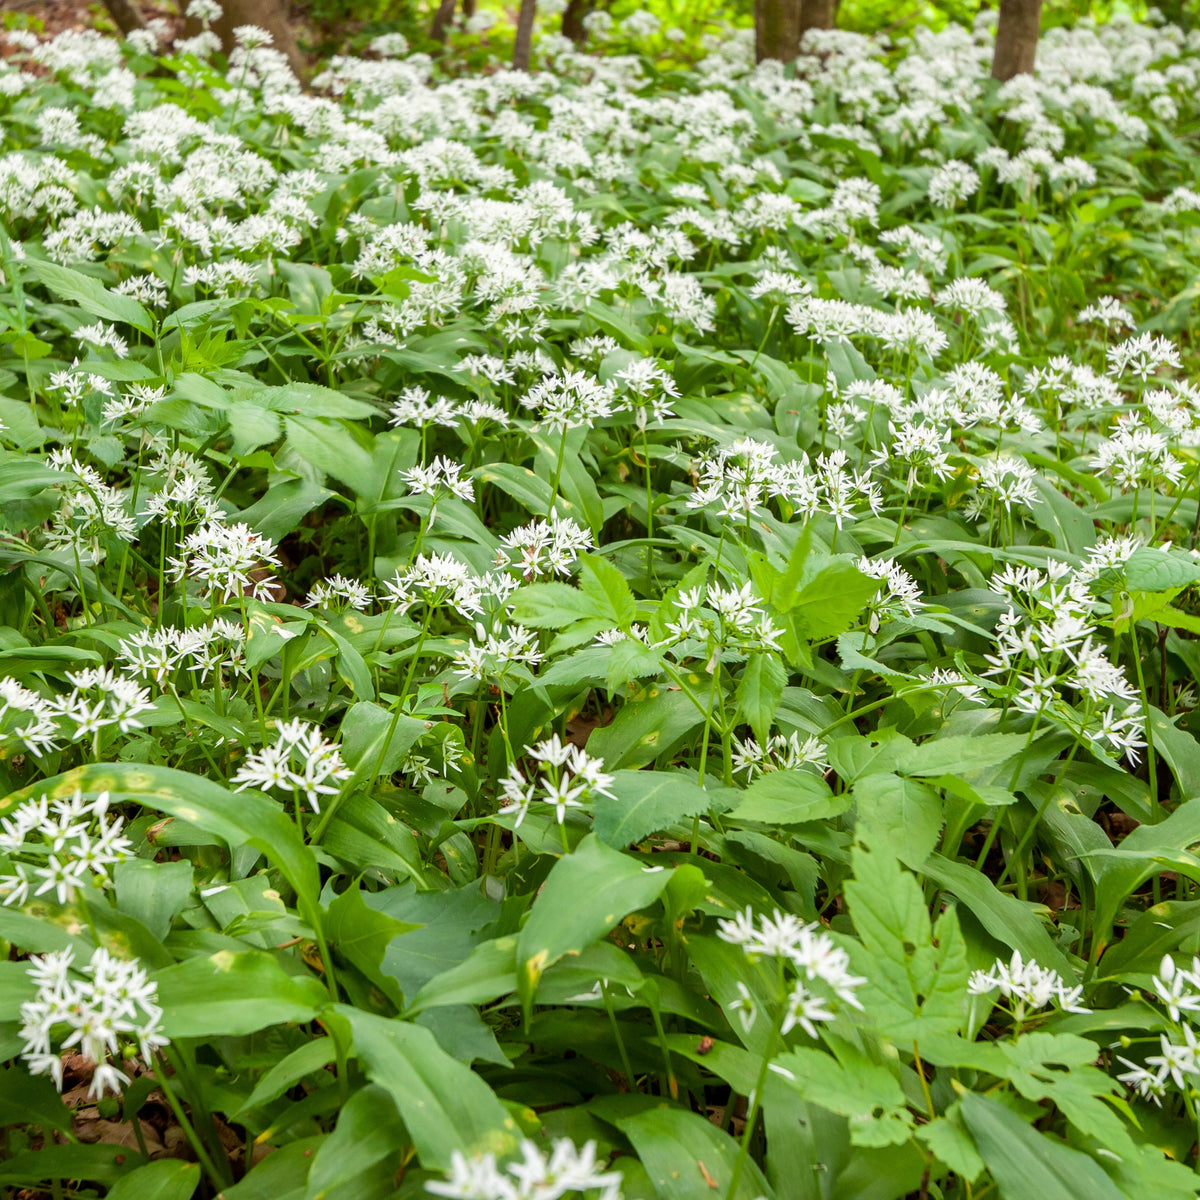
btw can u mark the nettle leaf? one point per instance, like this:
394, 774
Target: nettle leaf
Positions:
789, 798
916, 974
646, 802
853, 1086
1148, 570
832, 602
965, 755
606, 587
555, 605
900, 813
759, 692
584, 896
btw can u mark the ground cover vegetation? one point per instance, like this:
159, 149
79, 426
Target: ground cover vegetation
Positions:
605, 631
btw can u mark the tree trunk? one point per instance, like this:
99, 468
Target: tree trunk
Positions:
572, 22
1016, 38
270, 15
125, 15
523, 46
441, 20
815, 14
777, 29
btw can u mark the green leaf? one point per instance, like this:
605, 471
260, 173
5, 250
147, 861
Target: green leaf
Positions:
153, 892
444, 1104
831, 602
853, 1086
90, 294
306, 1059
358, 1160
584, 896
687, 1157
1009, 920
361, 935
950, 1142
646, 802
241, 819
900, 813
555, 606
759, 691
366, 730
100, 1164
252, 427
166, 1179
229, 995
1148, 570
607, 589
964, 755
789, 798
916, 975
1026, 1163
31, 1099
489, 972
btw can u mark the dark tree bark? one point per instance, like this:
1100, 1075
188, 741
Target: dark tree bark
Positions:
125, 15
523, 46
572, 21
777, 29
441, 20
270, 15
815, 14
1016, 38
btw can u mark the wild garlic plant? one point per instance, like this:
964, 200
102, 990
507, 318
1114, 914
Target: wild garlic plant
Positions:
625, 628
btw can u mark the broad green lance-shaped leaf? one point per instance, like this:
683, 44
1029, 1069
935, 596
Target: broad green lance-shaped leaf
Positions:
1027, 1164
646, 802
354, 1160
759, 691
244, 819
789, 798
902, 814
228, 994
361, 935
31, 1099
100, 1164
90, 294
916, 976
1009, 920
445, 1105
584, 896
167, 1179
365, 730
154, 893
1147, 851
687, 1157
304, 1060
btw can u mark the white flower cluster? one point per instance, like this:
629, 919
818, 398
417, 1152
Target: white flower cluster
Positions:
537, 1175
564, 777
107, 1014
1027, 985
60, 846
301, 762
812, 954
